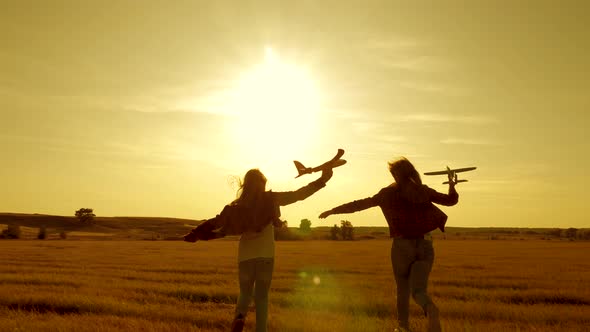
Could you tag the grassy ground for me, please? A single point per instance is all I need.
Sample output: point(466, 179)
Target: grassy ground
point(479, 285)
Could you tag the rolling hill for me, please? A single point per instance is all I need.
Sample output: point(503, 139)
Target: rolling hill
point(101, 227)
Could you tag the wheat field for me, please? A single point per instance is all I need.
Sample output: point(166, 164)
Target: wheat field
point(479, 285)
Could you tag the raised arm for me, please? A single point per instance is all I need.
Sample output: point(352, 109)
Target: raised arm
point(354, 206)
point(290, 197)
point(449, 199)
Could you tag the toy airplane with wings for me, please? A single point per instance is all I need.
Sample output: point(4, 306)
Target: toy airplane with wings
point(452, 173)
point(334, 162)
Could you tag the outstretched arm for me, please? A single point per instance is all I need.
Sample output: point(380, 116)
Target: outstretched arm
point(354, 206)
point(206, 230)
point(289, 197)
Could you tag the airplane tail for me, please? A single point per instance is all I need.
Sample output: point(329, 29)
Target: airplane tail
point(446, 182)
point(300, 168)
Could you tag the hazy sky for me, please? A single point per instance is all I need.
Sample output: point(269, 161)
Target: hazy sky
point(146, 108)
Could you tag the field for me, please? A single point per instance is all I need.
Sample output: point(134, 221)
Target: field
point(479, 285)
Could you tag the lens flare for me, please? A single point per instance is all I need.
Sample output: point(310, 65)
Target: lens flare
point(316, 280)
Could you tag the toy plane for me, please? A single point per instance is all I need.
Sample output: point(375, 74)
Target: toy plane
point(334, 162)
point(452, 173)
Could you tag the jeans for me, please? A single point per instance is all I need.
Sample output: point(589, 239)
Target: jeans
point(255, 276)
point(412, 261)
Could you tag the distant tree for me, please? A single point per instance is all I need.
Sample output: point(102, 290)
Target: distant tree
point(334, 232)
point(12, 232)
point(570, 233)
point(85, 215)
point(283, 233)
point(555, 232)
point(346, 230)
point(584, 234)
point(42, 233)
point(305, 225)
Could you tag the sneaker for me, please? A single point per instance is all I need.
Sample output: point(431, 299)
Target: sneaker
point(238, 324)
point(433, 319)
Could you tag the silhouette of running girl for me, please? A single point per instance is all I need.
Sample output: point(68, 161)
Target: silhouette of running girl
point(410, 214)
point(253, 215)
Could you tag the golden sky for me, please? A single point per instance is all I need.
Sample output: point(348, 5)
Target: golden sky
point(146, 108)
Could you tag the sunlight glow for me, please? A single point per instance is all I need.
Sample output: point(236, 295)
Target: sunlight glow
point(275, 104)
point(316, 280)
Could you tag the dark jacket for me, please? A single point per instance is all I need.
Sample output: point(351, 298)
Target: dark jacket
point(235, 219)
point(409, 210)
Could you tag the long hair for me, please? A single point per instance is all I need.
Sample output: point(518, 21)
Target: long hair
point(251, 202)
point(404, 172)
point(251, 188)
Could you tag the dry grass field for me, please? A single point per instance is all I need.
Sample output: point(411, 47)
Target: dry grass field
point(480, 285)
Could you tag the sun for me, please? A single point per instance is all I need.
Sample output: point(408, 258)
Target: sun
point(275, 104)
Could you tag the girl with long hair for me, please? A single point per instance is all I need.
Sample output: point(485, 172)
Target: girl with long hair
point(252, 215)
point(410, 214)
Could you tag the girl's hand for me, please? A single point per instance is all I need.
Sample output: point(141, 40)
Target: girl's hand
point(325, 214)
point(327, 174)
point(191, 237)
point(452, 179)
